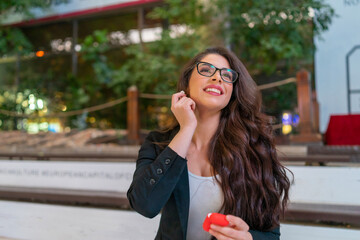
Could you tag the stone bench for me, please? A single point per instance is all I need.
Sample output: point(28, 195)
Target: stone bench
point(310, 155)
point(319, 194)
point(321, 155)
point(325, 213)
point(296, 212)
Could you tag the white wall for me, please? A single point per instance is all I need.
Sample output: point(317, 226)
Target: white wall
point(325, 185)
point(330, 65)
point(96, 176)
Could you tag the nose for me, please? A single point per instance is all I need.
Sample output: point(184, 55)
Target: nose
point(217, 76)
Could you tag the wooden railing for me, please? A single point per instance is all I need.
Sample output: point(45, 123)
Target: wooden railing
point(307, 104)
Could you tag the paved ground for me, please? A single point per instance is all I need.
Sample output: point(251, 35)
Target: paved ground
point(32, 221)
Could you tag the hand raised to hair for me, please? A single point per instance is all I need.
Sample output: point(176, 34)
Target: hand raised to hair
point(236, 230)
point(183, 108)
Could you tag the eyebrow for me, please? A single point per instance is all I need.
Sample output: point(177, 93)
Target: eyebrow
point(215, 66)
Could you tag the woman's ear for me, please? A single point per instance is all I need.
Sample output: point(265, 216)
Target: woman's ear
point(187, 92)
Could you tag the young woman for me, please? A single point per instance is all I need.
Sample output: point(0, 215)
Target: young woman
point(220, 157)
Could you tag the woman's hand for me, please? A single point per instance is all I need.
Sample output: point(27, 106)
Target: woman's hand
point(183, 109)
point(236, 230)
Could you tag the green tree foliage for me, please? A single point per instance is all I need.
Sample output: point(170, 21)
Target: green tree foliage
point(273, 34)
point(19, 102)
point(155, 67)
point(271, 37)
point(12, 40)
point(23, 6)
point(94, 48)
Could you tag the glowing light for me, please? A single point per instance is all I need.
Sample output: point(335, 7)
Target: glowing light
point(54, 127)
point(40, 104)
point(286, 119)
point(63, 108)
point(296, 120)
point(311, 12)
point(43, 126)
point(286, 129)
point(33, 128)
point(92, 120)
point(19, 98)
point(40, 53)
point(164, 109)
point(32, 106)
point(251, 25)
point(25, 103)
point(31, 98)
point(78, 48)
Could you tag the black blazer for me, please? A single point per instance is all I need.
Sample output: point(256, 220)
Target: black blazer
point(161, 183)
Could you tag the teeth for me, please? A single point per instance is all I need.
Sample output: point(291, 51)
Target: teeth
point(213, 90)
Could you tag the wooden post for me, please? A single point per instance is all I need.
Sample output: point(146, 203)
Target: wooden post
point(306, 111)
point(133, 118)
point(316, 112)
point(303, 85)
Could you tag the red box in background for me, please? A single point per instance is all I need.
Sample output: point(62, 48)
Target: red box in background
point(343, 130)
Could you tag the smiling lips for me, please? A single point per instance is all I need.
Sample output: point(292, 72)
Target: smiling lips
point(214, 90)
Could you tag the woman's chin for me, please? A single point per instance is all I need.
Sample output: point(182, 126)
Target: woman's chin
point(211, 107)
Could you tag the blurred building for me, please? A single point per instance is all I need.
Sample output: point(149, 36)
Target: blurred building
point(57, 35)
point(56, 32)
point(337, 62)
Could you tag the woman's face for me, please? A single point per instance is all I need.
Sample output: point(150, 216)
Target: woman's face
point(211, 93)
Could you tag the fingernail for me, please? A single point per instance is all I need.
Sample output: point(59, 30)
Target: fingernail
point(182, 91)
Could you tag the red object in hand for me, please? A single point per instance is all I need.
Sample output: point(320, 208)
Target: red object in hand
point(215, 218)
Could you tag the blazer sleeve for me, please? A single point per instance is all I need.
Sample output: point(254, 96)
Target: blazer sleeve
point(274, 234)
point(156, 175)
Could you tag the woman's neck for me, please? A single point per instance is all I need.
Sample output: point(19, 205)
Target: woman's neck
point(207, 124)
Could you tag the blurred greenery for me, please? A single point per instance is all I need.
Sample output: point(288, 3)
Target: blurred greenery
point(273, 34)
point(274, 39)
point(279, 99)
point(12, 39)
point(21, 102)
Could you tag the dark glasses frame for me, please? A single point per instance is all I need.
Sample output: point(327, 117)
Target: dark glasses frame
point(235, 74)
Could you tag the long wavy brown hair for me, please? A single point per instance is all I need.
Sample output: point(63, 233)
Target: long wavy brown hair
point(243, 153)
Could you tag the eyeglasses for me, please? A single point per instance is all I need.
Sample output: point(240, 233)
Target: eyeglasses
point(208, 70)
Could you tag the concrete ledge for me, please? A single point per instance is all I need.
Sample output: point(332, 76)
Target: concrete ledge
point(290, 150)
point(297, 212)
point(328, 213)
point(321, 159)
point(66, 196)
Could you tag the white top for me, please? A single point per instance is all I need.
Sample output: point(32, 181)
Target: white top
point(206, 197)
